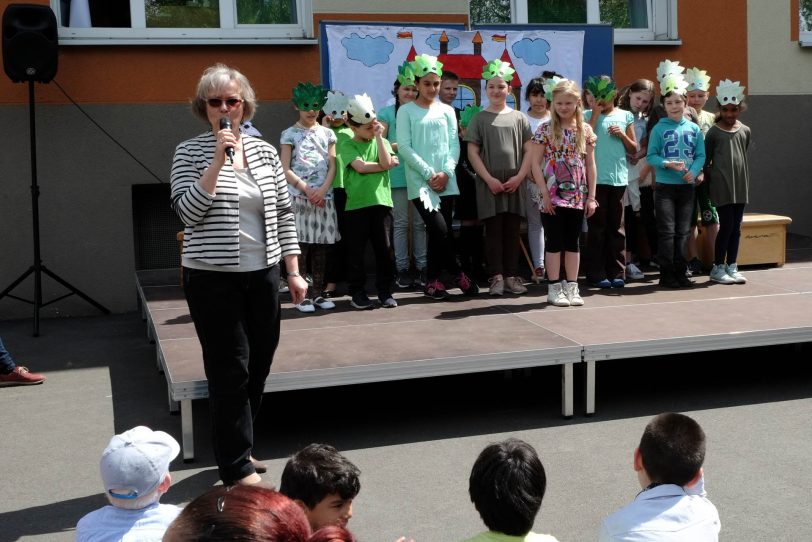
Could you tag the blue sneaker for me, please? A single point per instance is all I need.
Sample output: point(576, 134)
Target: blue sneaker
point(603, 283)
point(618, 283)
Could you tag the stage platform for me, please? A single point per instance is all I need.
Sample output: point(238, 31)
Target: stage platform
point(425, 338)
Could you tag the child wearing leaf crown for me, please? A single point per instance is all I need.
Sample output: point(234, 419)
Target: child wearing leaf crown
point(499, 149)
point(638, 98)
point(605, 255)
point(676, 150)
point(704, 208)
point(428, 144)
point(367, 159)
point(563, 167)
point(308, 152)
point(727, 173)
point(406, 218)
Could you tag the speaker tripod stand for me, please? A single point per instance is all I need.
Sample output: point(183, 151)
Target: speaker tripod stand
point(38, 268)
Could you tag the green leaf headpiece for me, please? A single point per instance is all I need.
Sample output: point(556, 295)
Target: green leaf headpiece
point(602, 89)
point(498, 68)
point(549, 86)
point(468, 113)
point(426, 64)
point(406, 74)
point(309, 97)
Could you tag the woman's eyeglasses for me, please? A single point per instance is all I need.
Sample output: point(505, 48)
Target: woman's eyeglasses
point(217, 102)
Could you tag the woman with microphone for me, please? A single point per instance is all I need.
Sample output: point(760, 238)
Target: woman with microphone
point(238, 226)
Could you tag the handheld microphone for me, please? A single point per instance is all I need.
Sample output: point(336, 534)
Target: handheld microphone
point(225, 124)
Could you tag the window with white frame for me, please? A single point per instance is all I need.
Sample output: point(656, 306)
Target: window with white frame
point(805, 21)
point(89, 22)
point(634, 21)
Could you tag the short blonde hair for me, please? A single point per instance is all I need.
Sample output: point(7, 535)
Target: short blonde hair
point(215, 78)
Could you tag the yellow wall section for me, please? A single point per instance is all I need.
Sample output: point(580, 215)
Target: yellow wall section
point(778, 66)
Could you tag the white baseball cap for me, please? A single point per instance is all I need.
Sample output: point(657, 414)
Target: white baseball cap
point(135, 462)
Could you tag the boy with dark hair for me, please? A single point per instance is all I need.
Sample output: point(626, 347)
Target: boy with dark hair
point(449, 86)
point(672, 505)
point(507, 485)
point(323, 482)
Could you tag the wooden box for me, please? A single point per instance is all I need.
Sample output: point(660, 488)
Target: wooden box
point(763, 240)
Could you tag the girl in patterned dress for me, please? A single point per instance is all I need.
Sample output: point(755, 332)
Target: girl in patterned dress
point(308, 156)
point(563, 167)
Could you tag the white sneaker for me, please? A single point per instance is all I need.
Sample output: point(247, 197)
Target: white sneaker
point(719, 274)
point(514, 285)
point(633, 272)
point(306, 306)
point(556, 295)
point(733, 271)
point(497, 286)
point(283, 286)
point(573, 295)
point(325, 304)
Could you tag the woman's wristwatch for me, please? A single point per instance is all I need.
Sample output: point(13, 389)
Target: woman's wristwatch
point(294, 274)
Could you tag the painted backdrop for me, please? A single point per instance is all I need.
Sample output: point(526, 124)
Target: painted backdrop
point(366, 58)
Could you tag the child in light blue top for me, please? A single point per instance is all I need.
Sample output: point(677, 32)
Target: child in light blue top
point(605, 255)
point(429, 146)
point(405, 218)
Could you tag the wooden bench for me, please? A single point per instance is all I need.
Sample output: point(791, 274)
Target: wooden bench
point(763, 241)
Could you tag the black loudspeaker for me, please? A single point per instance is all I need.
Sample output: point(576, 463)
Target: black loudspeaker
point(30, 41)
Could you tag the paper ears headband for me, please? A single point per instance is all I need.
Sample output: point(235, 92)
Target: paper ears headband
point(498, 68)
point(603, 90)
point(309, 97)
point(336, 104)
point(406, 74)
point(729, 92)
point(360, 109)
point(468, 113)
point(426, 64)
point(549, 85)
point(697, 79)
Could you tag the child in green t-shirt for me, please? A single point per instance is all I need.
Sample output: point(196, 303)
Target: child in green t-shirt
point(366, 160)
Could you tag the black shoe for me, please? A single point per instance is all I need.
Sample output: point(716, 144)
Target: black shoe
point(695, 267)
point(670, 281)
point(361, 301)
point(684, 282)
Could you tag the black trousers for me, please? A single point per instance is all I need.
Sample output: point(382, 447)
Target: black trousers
point(370, 225)
point(237, 319)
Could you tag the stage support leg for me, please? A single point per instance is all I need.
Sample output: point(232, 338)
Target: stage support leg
point(590, 388)
point(566, 390)
point(187, 429)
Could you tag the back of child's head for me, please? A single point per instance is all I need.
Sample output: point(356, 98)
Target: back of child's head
point(639, 85)
point(316, 471)
point(672, 449)
point(507, 485)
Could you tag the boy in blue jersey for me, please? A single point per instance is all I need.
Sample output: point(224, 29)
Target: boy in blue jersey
point(676, 148)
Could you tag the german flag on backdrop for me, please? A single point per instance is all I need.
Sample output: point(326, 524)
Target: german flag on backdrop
point(404, 35)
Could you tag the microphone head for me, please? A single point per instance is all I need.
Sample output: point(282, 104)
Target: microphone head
point(225, 123)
